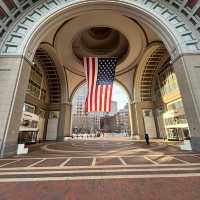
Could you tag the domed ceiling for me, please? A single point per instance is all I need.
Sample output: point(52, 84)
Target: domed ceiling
point(101, 34)
point(100, 42)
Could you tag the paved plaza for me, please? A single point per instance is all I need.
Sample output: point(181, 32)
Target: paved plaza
point(103, 170)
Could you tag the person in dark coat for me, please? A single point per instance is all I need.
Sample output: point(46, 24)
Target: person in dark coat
point(146, 136)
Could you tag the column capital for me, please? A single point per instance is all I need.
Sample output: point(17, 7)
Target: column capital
point(180, 56)
point(134, 102)
point(68, 103)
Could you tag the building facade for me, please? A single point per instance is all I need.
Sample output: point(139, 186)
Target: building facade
point(113, 108)
point(118, 122)
point(42, 44)
point(83, 122)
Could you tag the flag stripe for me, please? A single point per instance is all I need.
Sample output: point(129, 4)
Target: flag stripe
point(100, 99)
point(105, 99)
point(110, 100)
point(92, 69)
point(102, 96)
point(99, 76)
point(86, 67)
point(96, 97)
point(95, 86)
point(89, 82)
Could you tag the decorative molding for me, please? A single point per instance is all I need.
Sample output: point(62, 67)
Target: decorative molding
point(155, 53)
point(172, 61)
point(15, 36)
point(76, 88)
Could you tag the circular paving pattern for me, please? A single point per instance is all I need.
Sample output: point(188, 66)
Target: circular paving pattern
point(93, 146)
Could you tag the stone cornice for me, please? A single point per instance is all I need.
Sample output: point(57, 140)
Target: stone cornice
point(15, 40)
point(182, 55)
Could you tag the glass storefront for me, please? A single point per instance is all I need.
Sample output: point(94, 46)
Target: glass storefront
point(171, 120)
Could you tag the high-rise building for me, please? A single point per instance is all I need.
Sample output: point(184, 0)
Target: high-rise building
point(113, 110)
point(82, 121)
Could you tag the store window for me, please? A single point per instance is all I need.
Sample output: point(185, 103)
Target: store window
point(29, 108)
point(175, 105)
point(167, 81)
point(54, 114)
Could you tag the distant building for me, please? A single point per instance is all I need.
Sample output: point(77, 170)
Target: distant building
point(114, 109)
point(82, 121)
point(108, 123)
point(122, 119)
point(119, 122)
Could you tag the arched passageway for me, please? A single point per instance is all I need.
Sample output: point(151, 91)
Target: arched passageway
point(60, 34)
point(91, 125)
point(159, 108)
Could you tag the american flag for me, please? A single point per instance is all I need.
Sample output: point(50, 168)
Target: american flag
point(100, 73)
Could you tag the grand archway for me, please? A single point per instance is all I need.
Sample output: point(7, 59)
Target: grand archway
point(90, 125)
point(69, 30)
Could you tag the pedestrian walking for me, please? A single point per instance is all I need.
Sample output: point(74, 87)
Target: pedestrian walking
point(146, 136)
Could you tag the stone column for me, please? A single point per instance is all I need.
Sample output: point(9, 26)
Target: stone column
point(132, 118)
point(14, 76)
point(139, 119)
point(187, 69)
point(64, 127)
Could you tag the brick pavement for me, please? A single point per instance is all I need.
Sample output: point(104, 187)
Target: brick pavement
point(121, 189)
point(102, 170)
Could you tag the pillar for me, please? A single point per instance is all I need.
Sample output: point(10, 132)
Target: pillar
point(132, 117)
point(139, 119)
point(14, 77)
point(64, 127)
point(187, 69)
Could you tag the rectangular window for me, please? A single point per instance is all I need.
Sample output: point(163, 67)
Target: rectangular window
point(197, 13)
point(3, 14)
point(191, 3)
point(10, 4)
point(29, 108)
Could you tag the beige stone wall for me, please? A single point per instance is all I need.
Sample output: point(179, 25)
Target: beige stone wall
point(64, 127)
point(14, 75)
point(187, 69)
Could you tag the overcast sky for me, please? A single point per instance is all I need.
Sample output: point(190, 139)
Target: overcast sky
point(119, 95)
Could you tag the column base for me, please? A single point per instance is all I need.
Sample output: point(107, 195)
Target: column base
point(9, 150)
point(68, 138)
point(135, 137)
point(195, 143)
point(60, 139)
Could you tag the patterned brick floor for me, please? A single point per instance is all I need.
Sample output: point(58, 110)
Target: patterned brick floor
point(101, 170)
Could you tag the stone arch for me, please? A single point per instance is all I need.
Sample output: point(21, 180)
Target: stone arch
point(22, 38)
point(54, 89)
point(120, 85)
point(78, 86)
point(58, 73)
point(187, 8)
point(154, 56)
point(173, 29)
